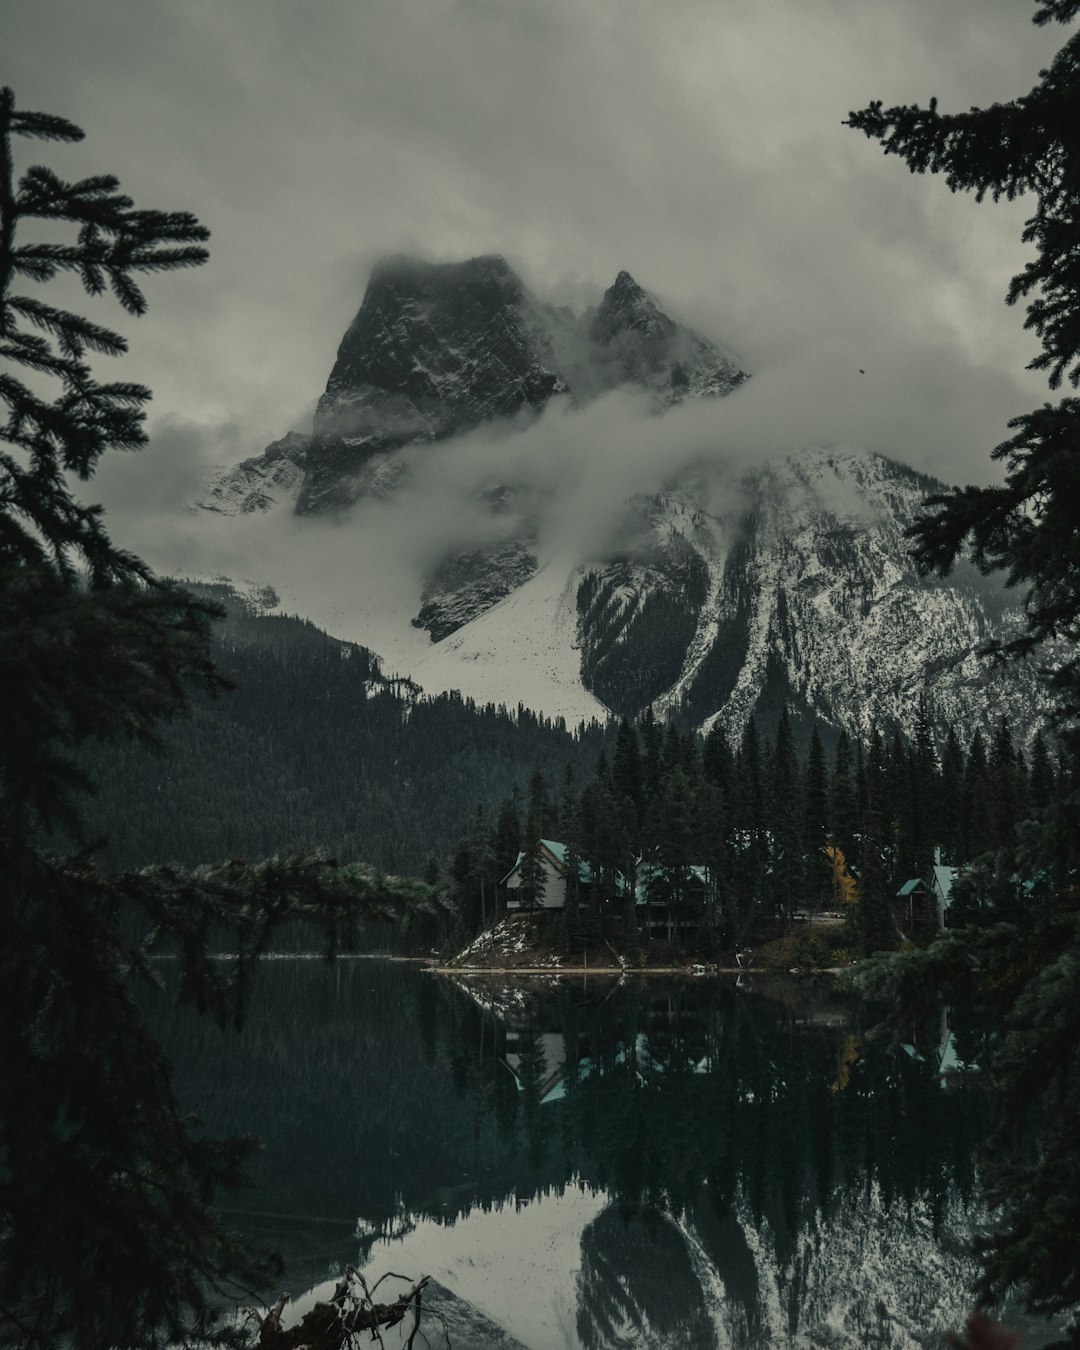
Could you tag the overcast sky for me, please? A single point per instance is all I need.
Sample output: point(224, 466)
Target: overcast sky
point(697, 143)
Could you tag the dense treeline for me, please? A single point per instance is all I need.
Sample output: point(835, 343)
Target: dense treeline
point(763, 830)
point(316, 748)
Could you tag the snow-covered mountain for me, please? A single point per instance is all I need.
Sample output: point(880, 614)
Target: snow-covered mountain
point(719, 592)
point(258, 483)
point(804, 595)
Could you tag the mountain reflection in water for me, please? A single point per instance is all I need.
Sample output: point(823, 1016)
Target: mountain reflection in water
point(602, 1163)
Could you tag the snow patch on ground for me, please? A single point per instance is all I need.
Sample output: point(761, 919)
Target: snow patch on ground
point(505, 943)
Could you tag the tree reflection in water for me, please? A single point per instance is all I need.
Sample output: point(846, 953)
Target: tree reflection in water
point(762, 1170)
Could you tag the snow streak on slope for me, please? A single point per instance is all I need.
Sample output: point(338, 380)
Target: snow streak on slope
point(816, 602)
point(524, 649)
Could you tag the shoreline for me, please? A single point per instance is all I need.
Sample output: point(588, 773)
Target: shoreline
point(695, 972)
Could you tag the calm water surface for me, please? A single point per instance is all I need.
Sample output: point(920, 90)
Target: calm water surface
point(601, 1164)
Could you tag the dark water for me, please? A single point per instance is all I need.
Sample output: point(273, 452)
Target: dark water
point(590, 1163)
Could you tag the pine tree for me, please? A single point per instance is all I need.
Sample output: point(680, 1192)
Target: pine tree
point(1005, 789)
point(717, 852)
point(749, 813)
point(788, 871)
point(675, 844)
point(861, 788)
point(651, 756)
point(977, 821)
point(718, 763)
point(893, 797)
point(843, 811)
point(508, 839)
point(925, 786)
point(541, 806)
point(1042, 780)
point(481, 860)
point(876, 925)
point(950, 813)
point(108, 1235)
point(1026, 526)
point(567, 802)
point(627, 771)
point(873, 914)
point(532, 873)
point(817, 883)
point(569, 925)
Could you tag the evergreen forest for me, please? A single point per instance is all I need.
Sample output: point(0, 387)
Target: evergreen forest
point(315, 747)
point(763, 834)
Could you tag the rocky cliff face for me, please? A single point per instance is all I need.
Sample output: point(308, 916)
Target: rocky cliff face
point(437, 349)
point(803, 595)
point(633, 341)
point(257, 484)
point(468, 584)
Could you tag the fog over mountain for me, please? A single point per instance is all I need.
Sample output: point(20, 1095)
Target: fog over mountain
point(699, 150)
point(700, 147)
point(593, 512)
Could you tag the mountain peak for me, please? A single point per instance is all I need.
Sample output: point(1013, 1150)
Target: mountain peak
point(438, 348)
point(626, 286)
point(627, 305)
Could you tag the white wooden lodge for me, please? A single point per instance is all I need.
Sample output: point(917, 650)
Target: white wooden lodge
point(553, 856)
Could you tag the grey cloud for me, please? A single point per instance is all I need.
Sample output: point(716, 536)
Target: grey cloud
point(699, 145)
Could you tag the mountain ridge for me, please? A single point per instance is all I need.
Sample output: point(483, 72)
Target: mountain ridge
point(719, 593)
point(437, 349)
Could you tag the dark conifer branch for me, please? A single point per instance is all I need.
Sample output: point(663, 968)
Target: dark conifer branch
point(1026, 968)
point(94, 648)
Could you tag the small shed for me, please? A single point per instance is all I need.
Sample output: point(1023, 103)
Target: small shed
point(916, 909)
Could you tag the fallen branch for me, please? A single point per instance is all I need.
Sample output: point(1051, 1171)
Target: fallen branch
point(333, 1325)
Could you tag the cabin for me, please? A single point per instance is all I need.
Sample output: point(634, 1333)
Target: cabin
point(666, 902)
point(553, 856)
point(916, 910)
point(663, 902)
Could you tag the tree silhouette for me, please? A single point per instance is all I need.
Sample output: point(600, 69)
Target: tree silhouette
point(107, 1232)
point(1027, 971)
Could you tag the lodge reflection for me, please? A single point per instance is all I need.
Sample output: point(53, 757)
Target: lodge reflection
point(658, 1089)
point(771, 1173)
point(744, 1137)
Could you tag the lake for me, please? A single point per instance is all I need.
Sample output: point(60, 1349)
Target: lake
point(587, 1162)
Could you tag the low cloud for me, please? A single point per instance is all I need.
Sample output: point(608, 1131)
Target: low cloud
point(570, 475)
point(699, 146)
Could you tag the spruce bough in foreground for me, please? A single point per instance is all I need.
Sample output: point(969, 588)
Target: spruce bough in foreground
point(1026, 972)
